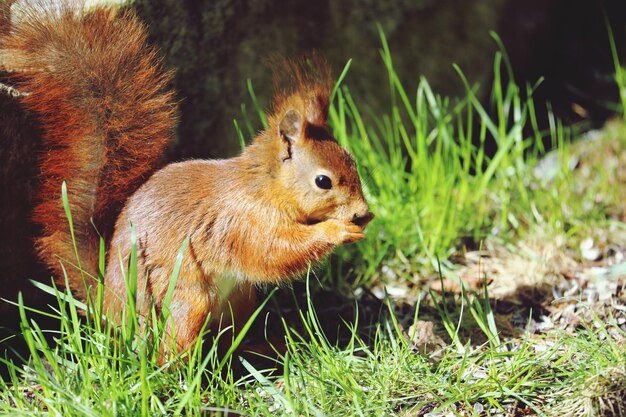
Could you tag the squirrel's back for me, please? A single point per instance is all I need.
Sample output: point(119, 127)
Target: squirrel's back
point(101, 93)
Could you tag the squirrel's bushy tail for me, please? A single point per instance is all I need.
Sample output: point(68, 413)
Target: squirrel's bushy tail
point(102, 97)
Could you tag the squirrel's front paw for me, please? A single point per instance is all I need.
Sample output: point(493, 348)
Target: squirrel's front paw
point(341, 232)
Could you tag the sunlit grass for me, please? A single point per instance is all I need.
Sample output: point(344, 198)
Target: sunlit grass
point(432, 184)
point(107, 371)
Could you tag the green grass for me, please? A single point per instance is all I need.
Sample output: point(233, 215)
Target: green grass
point(389, 378)
point(101, 373)
point(431, 183)
point(620, 71)
point(433, 188)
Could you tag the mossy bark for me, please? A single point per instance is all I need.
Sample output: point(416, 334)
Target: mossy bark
point(215, 46)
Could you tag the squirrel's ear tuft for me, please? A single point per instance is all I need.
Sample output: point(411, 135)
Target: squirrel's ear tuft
point(290, 131)
point(303, 83)
point(317, 108)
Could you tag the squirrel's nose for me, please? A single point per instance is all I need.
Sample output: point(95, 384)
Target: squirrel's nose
point(363, 220)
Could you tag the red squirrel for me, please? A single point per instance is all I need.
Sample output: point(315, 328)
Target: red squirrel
point(108, 113)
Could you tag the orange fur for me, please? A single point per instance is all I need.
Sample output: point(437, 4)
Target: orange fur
point(260, 217)
point(100, 92)
point(5, 15)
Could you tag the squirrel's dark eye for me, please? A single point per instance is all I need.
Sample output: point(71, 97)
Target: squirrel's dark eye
point(324, 182)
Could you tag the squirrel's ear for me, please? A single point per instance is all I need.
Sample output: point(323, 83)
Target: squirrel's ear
point(290, 131)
